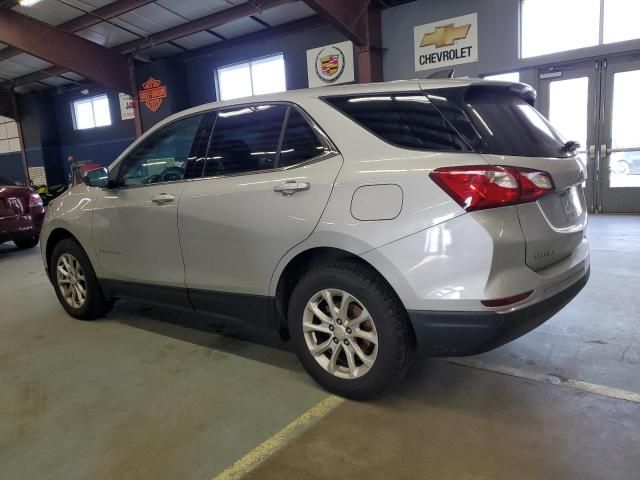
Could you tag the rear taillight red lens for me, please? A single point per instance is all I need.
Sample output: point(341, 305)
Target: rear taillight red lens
point(482, 186)
point(35, 200)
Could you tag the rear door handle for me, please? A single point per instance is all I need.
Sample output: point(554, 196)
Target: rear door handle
point(162, 198)
point(291, 186)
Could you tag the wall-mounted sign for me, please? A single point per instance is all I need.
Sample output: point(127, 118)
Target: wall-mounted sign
point(448, 42)
point(152, 94)
point(127, 112)
point(330, 65)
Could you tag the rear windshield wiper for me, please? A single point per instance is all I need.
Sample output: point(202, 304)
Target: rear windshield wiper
point(571, 146)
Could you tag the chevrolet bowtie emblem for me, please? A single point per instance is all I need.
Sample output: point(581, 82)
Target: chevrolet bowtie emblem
point(445, 35)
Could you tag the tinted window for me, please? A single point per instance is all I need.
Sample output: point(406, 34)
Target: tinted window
point(6, 182)
point(496, 120)
point(300, 142)
point(245, 139)
point(163, 156)
point(407, 120)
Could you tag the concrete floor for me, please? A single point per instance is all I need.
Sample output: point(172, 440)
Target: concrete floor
point(152, 393)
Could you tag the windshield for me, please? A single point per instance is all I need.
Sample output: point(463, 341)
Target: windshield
point(6, 182)
point(496, 120)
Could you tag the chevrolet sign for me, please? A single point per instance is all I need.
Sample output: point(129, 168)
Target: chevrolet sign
point(449, 42)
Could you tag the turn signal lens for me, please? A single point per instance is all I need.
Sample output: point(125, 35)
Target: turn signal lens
point(480, 187)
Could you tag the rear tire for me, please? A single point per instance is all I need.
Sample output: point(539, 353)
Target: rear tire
point(24, 243)
point(75, 282)
point(353, 358)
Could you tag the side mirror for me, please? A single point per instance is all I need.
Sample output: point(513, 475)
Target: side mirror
point(97, 178)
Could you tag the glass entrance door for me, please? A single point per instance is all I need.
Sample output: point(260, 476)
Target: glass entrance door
point(567, 97)
point(620, 137)
point(597, 104)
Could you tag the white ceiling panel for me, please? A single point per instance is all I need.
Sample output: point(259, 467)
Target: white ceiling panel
point(194, 9)
point(53, 13)
point(56, 81)
point(286, 13)
point(160, 51)
point(197, 40)
point(238, 27)
point(88, 4)
point(150, 19)
point(30, 61)
point(21, 64)
point(73, 76)
point(106, 34)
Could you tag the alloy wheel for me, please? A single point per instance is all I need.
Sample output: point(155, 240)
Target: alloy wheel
point(340, 333)
point(71, 280)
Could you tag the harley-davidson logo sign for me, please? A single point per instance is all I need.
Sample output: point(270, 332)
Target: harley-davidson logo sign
point(152, 93)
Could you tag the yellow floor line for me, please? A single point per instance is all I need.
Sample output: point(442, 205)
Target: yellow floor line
point(551, 379)
point(267, 448)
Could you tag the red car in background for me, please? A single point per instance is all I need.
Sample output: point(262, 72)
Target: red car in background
point(21, 214)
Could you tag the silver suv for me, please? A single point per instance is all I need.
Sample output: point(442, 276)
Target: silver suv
point(361, 222)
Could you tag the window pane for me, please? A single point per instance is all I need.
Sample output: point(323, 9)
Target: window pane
point(496, 121)
point(550, 26)
point(407, 120)
point(621, 20)
point(268, 75)
point(568, 100)
point(505, 77)
point(625, 166)
point(245, 139)
point(84, 114)
point(163, 156)
point(300, 142)
point(234, 81)
point(101, 111)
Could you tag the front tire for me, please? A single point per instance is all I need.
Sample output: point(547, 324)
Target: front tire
point(350, 331)
point(75, 282)
point(24, 243)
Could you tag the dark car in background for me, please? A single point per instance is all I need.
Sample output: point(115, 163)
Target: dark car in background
point(21, 214)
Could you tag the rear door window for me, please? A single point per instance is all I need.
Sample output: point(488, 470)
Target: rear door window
point(245, 139)
point(300, 142)
point(496, 120)
point(406, 120)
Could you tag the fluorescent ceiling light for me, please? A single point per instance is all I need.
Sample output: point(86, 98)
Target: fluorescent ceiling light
point(28, 3)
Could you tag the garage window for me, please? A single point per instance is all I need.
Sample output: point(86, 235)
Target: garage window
point(264, 75)
point(552, 26)
point(91, 112)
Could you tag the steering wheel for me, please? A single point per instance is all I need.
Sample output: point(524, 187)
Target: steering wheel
point(172, 174)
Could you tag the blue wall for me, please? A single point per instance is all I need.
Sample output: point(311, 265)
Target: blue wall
point(101, 144)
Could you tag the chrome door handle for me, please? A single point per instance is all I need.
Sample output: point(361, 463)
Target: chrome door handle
point(162, 198)
point(291, 186)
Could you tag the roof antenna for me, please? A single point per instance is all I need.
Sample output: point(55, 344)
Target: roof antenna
point(442, 74)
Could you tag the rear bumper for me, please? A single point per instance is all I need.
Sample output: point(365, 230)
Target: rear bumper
point(16, 228)
point(452, 333)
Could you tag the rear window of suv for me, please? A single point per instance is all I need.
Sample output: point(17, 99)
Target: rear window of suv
point(497, 120)
point(406, 120)
point(482, 118)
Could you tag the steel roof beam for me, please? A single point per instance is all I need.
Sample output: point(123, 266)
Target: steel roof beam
point(65, 50)
point(88, 20)
point(348, 17)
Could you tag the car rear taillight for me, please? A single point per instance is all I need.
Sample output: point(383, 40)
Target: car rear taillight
point(35, 200)
point(479, 187)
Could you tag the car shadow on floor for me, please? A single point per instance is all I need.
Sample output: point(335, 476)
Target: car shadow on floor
point(208, 331)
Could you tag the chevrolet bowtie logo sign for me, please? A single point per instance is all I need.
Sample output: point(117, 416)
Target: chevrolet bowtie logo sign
point(445, 36)
point(451, 41)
